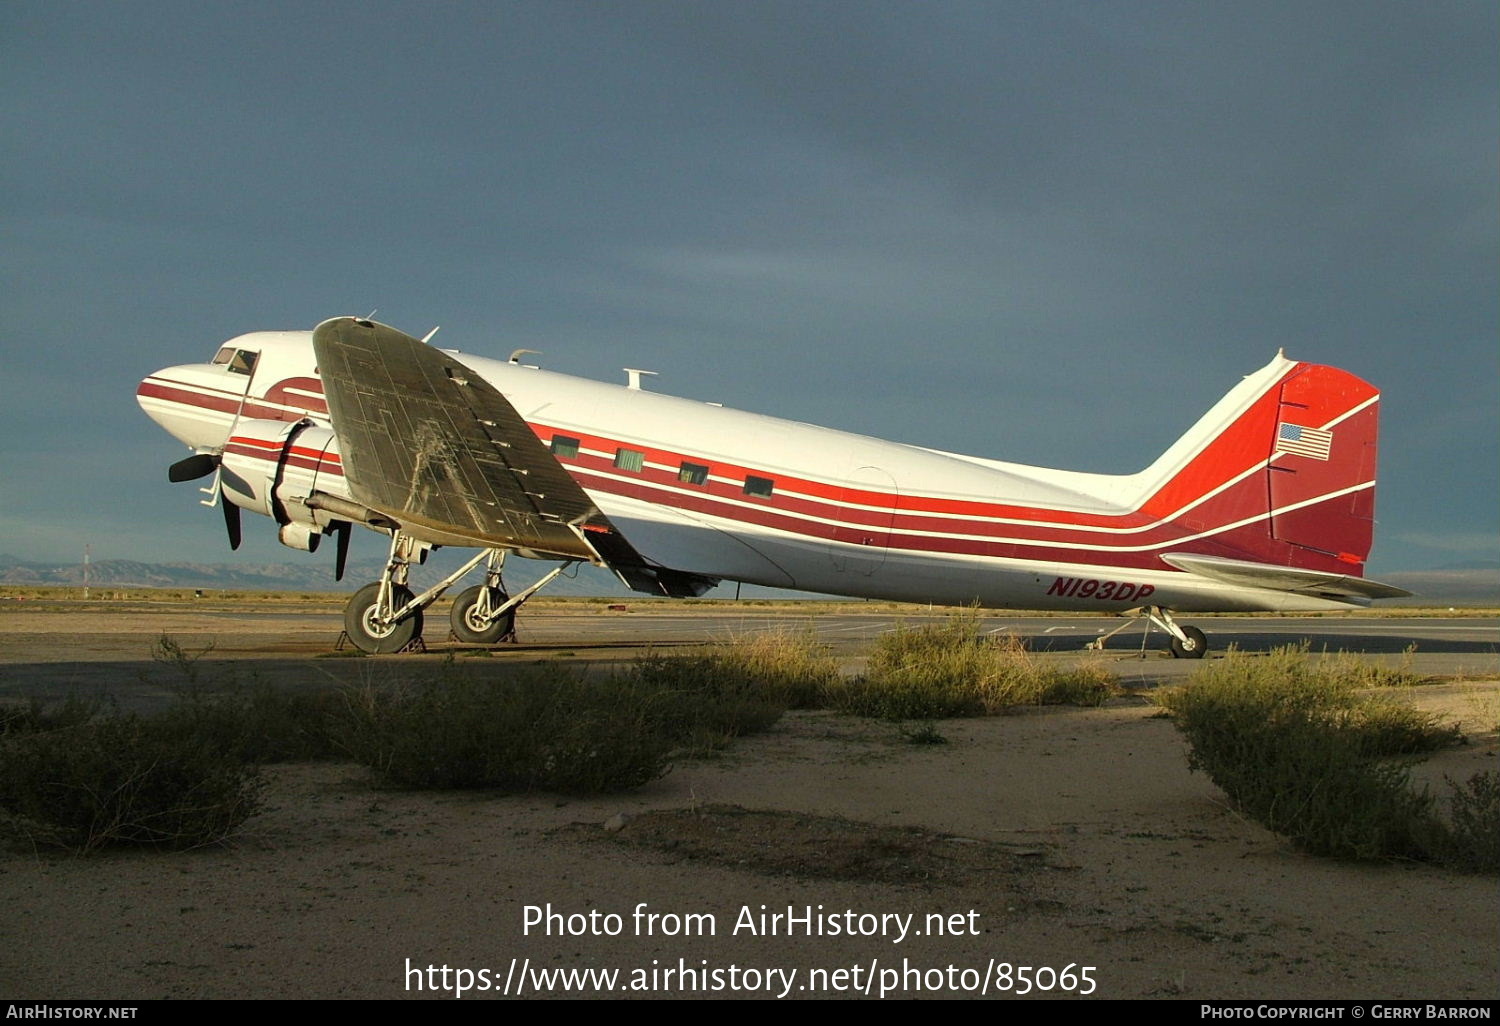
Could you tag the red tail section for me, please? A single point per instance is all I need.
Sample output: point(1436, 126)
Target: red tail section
point(1320, 448)
point(1322, 471)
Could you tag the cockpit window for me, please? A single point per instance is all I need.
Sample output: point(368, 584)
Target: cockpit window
point(239, 361)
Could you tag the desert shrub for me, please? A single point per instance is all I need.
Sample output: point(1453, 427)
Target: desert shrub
point(924, 734)
point(263, 724)
point(35, 714)
point(1471, 839)
point(255, 722)
point(950, 669)
point(1321, 787)
point(1088, 683)
point(554, 730)
point(168, 652)
point(701, 703)
point(1230, 695)
point(1305, 753)
point(704, 701)
point(1388, 725)
point(548, 730)
point(743, 686)
point(124, 779)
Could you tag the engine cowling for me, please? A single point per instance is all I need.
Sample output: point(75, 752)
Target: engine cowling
point(299, 536)
point(270, 468)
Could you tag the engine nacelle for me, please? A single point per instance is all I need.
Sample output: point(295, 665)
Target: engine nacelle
point(271, 468)
point(299, 536)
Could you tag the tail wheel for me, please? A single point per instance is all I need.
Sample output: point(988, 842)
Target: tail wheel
point(1193, 648)
point(377, 638)
point(473, 629)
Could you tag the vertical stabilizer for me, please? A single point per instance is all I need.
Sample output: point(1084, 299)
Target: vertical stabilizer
point(1321, 475)
point(1279, 472)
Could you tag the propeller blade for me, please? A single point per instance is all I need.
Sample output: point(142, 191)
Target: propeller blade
point(341, 552)
point(193, 467)
point(231, 521)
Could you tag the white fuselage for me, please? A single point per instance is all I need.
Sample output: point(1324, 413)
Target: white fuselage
point(723, 493)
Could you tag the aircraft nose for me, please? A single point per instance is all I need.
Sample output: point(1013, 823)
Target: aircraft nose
point(158, 389)
point(151, 389)
point(190, 412)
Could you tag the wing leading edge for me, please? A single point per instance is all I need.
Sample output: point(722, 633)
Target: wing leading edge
point(428, 442)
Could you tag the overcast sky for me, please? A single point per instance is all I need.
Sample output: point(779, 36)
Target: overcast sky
point(1053, 233)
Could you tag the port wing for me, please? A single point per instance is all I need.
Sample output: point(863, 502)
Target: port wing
point(431, 444)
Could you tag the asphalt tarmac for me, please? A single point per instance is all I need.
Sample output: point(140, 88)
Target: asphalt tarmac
point(98, 649)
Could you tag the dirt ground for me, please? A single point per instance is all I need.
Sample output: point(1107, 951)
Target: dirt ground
point(831, 856)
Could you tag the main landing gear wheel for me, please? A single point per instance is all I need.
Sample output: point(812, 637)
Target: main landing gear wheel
point(1193, 648)
point(473, 629)
point(377, 638)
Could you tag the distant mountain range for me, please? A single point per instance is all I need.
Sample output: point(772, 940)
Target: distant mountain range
point(1473, 583)
point(317, 575)
point(309, 576)
point(1465, 584)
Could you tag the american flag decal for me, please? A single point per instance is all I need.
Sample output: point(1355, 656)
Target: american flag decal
point(1304, 441)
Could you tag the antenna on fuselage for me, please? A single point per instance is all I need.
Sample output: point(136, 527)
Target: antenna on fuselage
point(515, 357)
point(428, 337)
point(633, 380)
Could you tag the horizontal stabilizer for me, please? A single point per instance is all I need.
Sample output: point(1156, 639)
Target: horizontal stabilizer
point(1281, 578)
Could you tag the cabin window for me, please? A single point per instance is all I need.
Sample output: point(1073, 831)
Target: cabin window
point(761, 487)
point(565, 448)
point(630, 459)
point(693, 474)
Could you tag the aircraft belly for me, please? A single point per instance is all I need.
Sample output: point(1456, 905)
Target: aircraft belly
point(757, 555)
point(705, 545)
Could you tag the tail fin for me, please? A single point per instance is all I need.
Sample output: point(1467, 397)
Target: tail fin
point(1280, 472)
point(1321, 475)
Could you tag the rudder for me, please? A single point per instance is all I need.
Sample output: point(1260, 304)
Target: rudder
point(1321, 475)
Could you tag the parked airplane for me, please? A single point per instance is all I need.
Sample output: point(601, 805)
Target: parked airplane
point(1267, 503)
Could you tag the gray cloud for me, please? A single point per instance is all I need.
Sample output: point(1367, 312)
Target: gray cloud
point(1045, 232)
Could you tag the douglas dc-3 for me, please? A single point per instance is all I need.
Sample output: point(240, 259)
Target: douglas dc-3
point(1267, 503)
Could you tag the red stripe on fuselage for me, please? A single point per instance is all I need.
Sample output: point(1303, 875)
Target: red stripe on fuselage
point(217, 401)
point(1243, 499)
point(1238, 449)
point(271, 451)
point(1247, 541)
point(1156, 525)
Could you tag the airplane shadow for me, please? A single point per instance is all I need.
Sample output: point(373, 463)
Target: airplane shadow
point(1264, 641)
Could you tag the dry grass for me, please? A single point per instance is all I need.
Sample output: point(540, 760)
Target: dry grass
point(793, 664)
point(1350, 670)
point(936, 671)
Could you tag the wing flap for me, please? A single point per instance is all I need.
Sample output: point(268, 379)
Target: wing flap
point(1282, 578)
point(430, 443)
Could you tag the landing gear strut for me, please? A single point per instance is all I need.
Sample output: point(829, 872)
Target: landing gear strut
point(476, 618)
point(386, 617)
point(1192, 644)
point(1184, 642)
point(373, 632)
point(382, 617)
point(484, 615)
